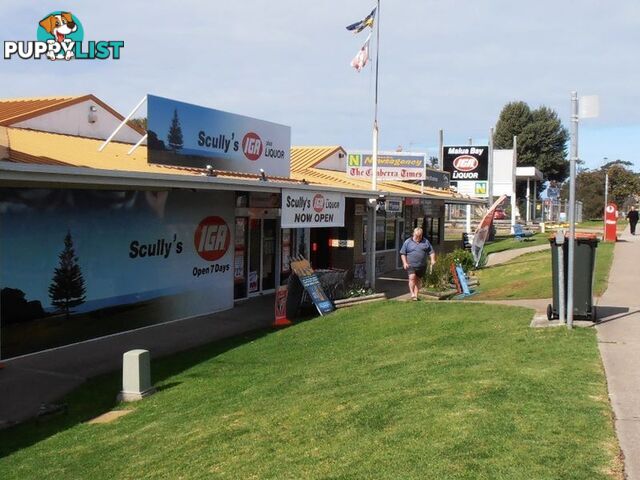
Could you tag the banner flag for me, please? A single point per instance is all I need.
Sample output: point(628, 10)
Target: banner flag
point(480, 237)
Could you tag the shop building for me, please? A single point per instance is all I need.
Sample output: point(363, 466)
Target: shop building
point(97, 242)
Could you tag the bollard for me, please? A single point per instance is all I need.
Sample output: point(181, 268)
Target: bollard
point(542, 227)
point(136, 376)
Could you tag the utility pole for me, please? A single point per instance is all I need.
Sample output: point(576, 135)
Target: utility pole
point(573, 158)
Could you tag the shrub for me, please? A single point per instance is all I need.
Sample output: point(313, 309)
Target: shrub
point(440, 277)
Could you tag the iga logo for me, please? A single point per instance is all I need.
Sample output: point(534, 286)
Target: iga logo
point(212, 238)
point(252, 146)
point(465, 163)
point(318, 203)
point(60, 36)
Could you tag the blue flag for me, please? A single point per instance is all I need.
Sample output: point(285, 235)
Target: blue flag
point(364, 23)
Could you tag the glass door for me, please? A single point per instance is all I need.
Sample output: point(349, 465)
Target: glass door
point(255, 247)
point(263, 233)
point(268, 270)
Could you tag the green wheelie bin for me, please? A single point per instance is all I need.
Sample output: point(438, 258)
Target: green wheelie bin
point(584, 265)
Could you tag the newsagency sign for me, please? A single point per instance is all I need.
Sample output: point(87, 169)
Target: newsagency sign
point(307, 208)
point(189, 135)
point(391, 165)
point(466, 162)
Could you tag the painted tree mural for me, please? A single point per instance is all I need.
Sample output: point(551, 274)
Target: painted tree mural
point(174, 137)
point(67, 288)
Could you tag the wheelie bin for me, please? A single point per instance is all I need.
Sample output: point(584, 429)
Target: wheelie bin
point(584, 265)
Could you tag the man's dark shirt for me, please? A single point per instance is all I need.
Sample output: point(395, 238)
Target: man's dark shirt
point(633, 216)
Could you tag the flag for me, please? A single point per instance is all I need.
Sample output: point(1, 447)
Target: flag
point(480, 237)
point(364, 23)
point(362, 57)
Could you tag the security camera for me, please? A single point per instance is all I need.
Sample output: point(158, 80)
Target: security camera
point(210, 171)
point(372, 201)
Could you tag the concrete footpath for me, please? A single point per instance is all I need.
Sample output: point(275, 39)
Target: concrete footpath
point(619, 341)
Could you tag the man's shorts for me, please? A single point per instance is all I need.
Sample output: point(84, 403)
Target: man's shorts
point(419, 271)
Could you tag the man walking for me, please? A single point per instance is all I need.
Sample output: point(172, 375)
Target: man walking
point(414, 254)
point(632, 216)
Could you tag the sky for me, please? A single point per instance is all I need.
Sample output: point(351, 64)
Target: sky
point(448, 65)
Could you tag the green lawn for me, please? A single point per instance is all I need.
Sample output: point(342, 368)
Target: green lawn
point(386, 390)
point(503, 243)
point(529, 276)
point(599, 224)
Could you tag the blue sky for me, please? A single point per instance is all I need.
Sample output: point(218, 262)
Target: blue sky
point(450, 65)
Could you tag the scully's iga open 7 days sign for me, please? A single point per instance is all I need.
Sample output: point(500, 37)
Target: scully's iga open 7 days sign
point(466, 162)
point(309, 208)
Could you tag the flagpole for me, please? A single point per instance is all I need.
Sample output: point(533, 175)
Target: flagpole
point(374, 176)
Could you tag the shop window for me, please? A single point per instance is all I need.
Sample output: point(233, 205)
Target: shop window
point(385, 234)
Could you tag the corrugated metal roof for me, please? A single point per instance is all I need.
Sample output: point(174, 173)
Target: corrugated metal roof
point(35, 147)
point(15, 110)
point(44, 148)
point(306, 157)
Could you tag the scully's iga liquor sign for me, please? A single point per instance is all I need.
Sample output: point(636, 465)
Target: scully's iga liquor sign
point(307, 208)
point(60, 36)
point(466, 162)
point(190, 135)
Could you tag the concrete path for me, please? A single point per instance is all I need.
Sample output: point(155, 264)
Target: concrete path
point(502, 257)
point(619, 342)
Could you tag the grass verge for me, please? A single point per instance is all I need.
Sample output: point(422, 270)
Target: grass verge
point(529, 276)
point(503, 243)
point(391, 390)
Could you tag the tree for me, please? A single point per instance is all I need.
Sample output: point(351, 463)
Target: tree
point(624, 185)
point(67, 288)
point(541, 136)
point(513, 118)
point(174, 138)
point(140, 123)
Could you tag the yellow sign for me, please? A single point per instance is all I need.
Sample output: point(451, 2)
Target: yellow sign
point(481, 188)
point(354, 160)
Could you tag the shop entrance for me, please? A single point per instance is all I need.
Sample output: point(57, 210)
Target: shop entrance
point(262, 255)
point(320, 252)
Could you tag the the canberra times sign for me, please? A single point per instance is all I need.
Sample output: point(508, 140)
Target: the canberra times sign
point(391, 165)
point(193, 136)
point(307, 208)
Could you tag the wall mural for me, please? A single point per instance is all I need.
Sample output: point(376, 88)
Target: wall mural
point(79, 264)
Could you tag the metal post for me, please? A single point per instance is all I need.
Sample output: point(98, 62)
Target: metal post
point(371, 247)
point(490, 170)
point(441, 149)
point(561, 295)
point(513, 183)
point(528, 200)
point(468, 222)
point(606, 194)
point(122, 124)
point(572, 206)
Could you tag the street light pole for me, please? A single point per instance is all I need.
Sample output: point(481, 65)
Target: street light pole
point(573, 158)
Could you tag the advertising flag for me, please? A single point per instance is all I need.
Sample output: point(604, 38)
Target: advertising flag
point(480, 237)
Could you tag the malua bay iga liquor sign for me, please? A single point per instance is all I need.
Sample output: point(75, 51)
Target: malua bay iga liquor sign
point(466, 162)
point(307, 208)
point(189, 135)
